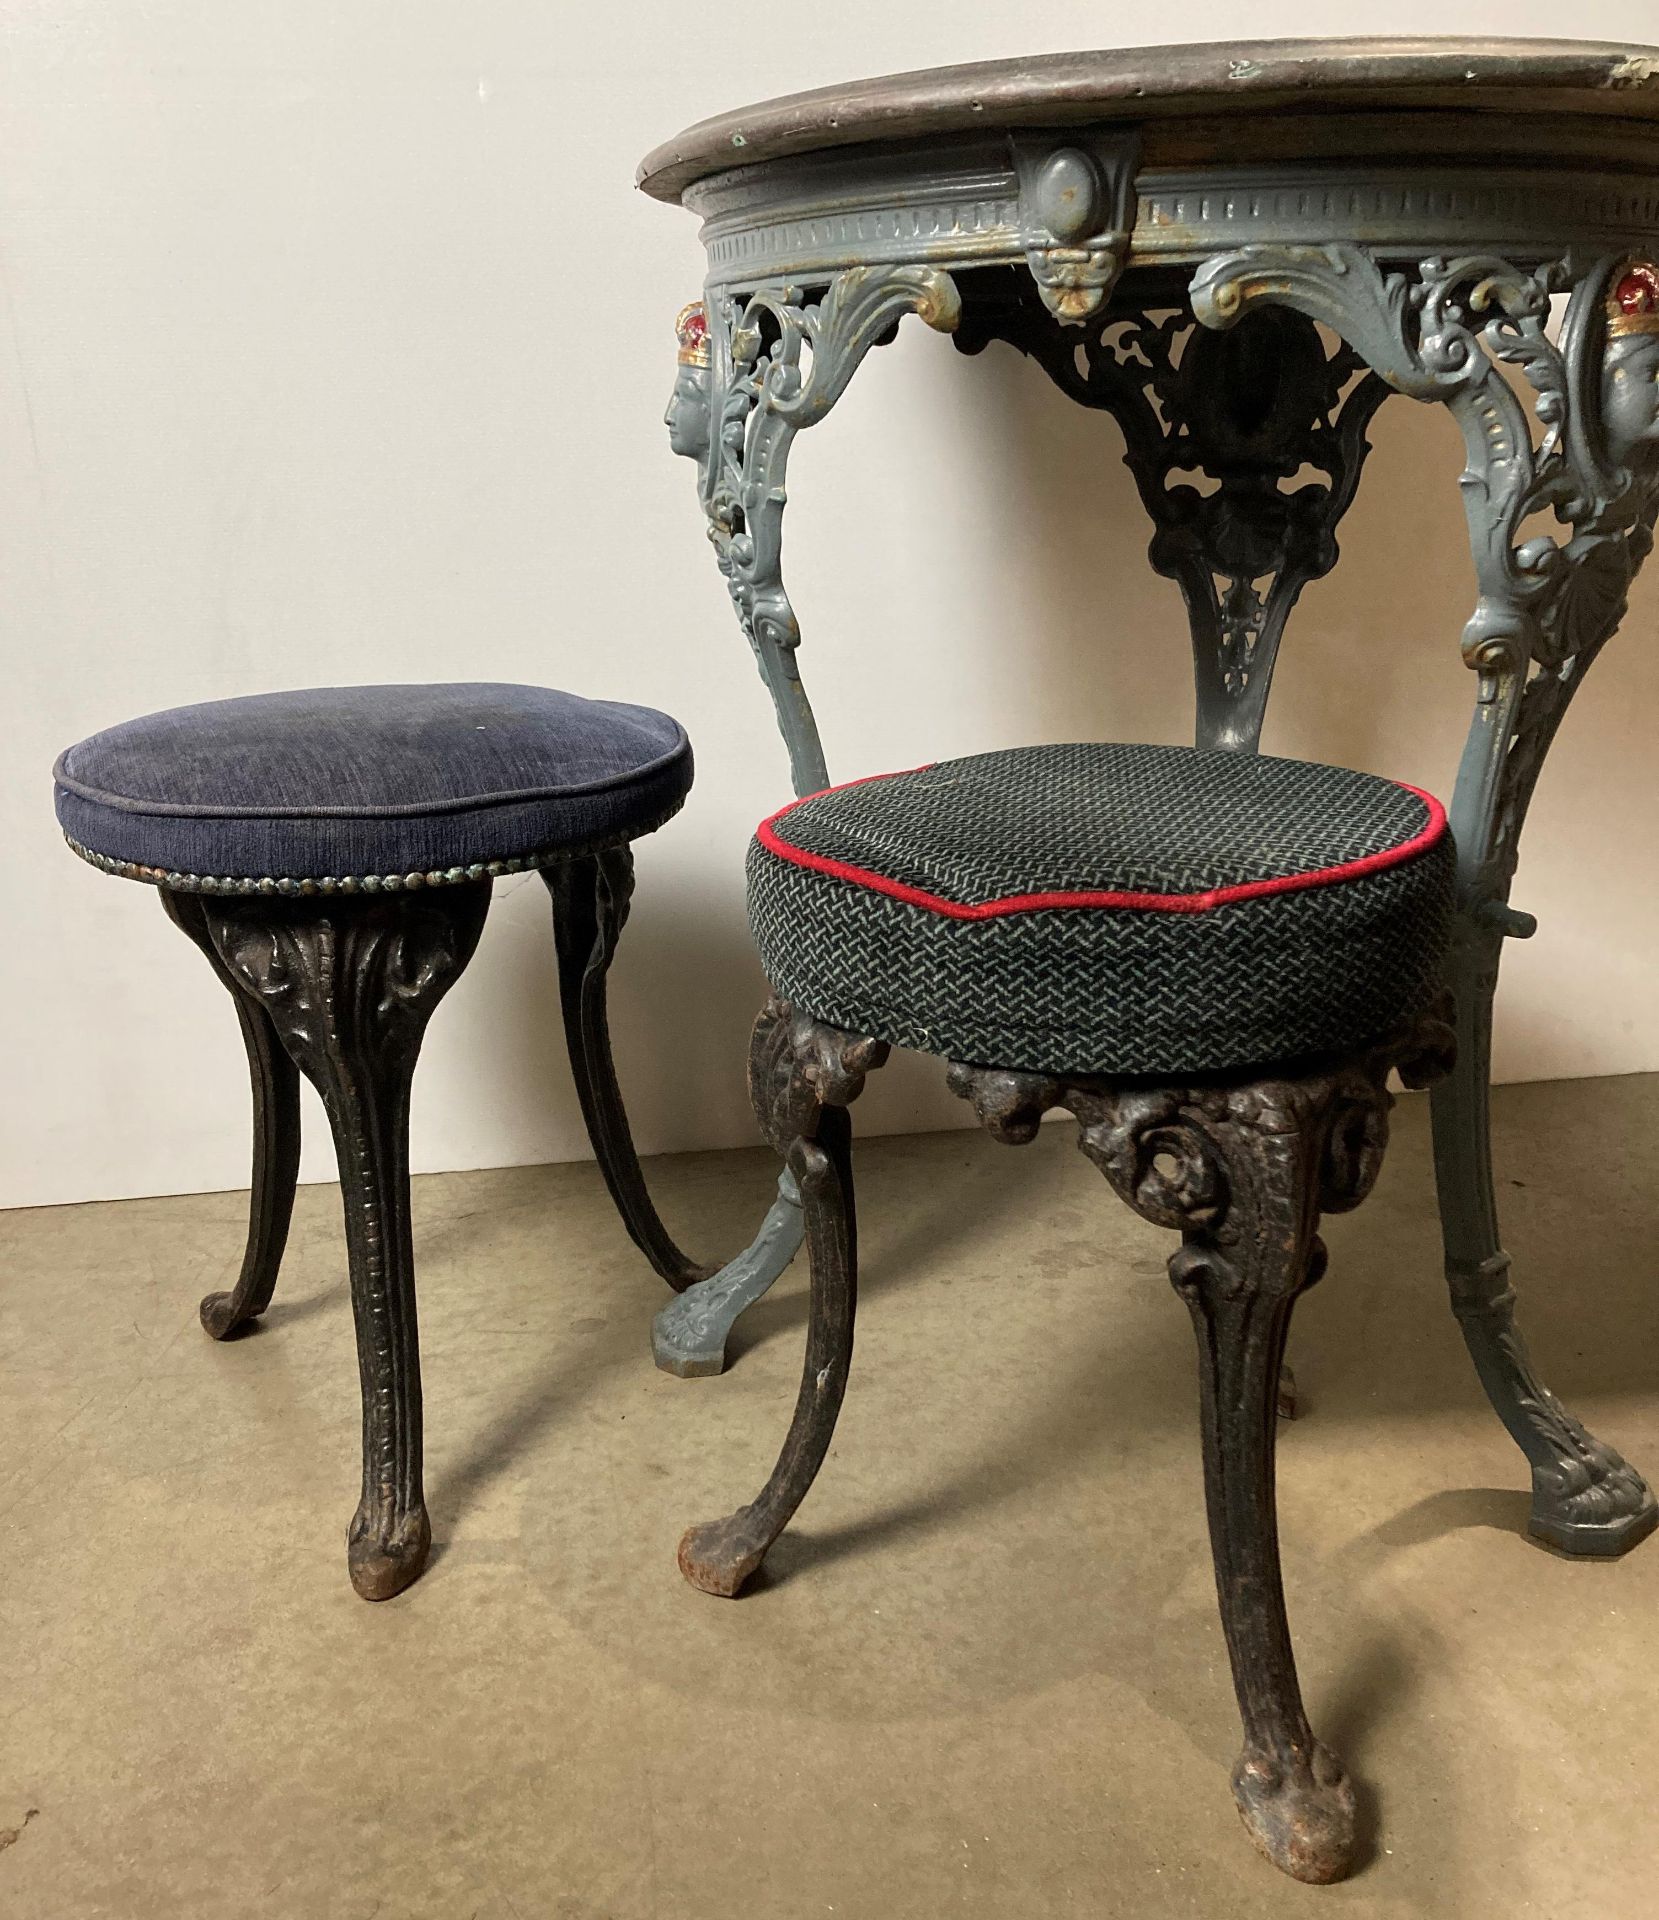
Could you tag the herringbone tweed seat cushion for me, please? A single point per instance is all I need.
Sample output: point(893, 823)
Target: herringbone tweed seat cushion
point(1108, 909)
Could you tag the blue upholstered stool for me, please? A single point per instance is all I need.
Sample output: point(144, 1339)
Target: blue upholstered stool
point(1213, 961)
point(332, 852)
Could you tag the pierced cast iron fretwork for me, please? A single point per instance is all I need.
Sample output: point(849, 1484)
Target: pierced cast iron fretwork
point(1246, 447)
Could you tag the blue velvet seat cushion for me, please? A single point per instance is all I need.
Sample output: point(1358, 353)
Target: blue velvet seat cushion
point(370, 781)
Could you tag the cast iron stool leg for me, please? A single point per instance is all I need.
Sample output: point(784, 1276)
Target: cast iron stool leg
point(349, 985)
point(1243, 1170)
point(1293, 1795)
point(276, 1141)
point(801, 1106)
point(591, 892)
point(721, 1556)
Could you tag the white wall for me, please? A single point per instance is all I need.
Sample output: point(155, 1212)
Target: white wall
point(333, 347)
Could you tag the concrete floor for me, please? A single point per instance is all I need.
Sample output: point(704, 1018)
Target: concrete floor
point(984, 1675)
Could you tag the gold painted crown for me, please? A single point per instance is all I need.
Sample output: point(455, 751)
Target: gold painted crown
point(1633, 305)
point(692, 330)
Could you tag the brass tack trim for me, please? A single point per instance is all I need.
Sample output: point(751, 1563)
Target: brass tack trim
point(289, 887)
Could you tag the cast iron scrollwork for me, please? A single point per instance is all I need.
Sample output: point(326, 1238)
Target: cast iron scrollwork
point(798, 1066)
point(1164, 1149)
point(1573, 440)
point(775, 360)
point(1440, 334)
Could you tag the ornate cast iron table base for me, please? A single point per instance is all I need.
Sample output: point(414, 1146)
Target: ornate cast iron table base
point(1240, 288)
point(340, 989)
point(1242, 1168)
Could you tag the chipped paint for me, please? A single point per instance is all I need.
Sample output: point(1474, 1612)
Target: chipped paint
point(1634, 70)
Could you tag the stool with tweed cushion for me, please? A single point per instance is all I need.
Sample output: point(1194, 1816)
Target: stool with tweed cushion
point(332, 852)
point(1213, 961)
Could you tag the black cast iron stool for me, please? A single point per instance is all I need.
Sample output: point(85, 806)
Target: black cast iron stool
point(332, 852)
point(1213, 961)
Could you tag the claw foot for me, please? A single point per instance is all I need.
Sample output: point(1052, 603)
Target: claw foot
point(1591, 1503)
point(1304, 1825)
point(383, 1561)
point(722, 1555)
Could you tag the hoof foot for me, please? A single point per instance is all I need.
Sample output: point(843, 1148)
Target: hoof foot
point(1304, 1826)
point(1596, 1506)
point(220, 1318)
point(380, 1567)
point(720, 1556)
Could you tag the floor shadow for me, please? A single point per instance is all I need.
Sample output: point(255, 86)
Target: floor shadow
point(798, 1550)
point(1454, 1510)
point(508, 1437)
point(284, 1313)
point(1376, 1684)
point(1073, 1417)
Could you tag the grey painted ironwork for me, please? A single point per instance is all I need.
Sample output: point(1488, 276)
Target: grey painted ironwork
point(1545, 609)
point(961, 209)
point(1427, 243)
point(753, 373)
point(1076, 206)
point(779, 359)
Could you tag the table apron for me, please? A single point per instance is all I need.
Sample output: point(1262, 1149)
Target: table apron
point(796, 221)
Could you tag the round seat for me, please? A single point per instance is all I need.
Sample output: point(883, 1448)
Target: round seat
point(367, 788)
point(1108, 909)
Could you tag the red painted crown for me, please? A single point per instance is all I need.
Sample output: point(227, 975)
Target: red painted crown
point(692, 330)
point(1633, 305)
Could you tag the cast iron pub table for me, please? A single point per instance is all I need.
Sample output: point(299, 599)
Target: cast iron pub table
point(1238, 252)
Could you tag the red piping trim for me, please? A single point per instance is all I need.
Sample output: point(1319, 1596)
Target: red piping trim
point(1395, 856)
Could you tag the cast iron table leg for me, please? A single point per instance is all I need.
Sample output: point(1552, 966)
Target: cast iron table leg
point(755, 369)
point(1574, 446)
